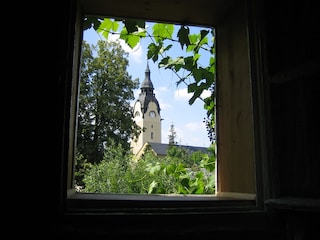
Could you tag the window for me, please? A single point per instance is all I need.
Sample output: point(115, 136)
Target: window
point(152, 114)
point(238, 128)
point(137, 114)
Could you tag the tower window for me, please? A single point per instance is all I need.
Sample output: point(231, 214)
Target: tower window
point(152, 114)
point(137, 114)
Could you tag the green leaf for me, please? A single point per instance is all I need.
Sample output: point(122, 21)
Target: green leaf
point(181, 168)
point(198, 74)
point(211, 181)
point(189, 64)
point(162, 31)
point(133, 25)
point(109, 25)
point(183, 36)
point(90, 22)
point(131, 40)
point(196, 57)
point(168, 47)
point(153, 168)
point(204, 33)
point(190, 48)
point(192, 87)
point(194, 39)
point(153, 51)
point(152, 186)
point(195, 95)
point(200, 188)
point(106, 26)
point(169, 63)
point(185, 182)
point(170, 168)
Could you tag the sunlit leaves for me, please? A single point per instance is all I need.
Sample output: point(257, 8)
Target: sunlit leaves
point(153, 168)
point(197, 41)
point(107, 26)
point(212, 66)
point(162, 31)
point(178, 172)
point(133, 38)
point(131, 32)
point(152, 186)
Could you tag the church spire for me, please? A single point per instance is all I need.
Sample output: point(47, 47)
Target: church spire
point(147, 83)
point(147, 95)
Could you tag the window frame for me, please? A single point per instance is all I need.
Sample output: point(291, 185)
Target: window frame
point(115, 203)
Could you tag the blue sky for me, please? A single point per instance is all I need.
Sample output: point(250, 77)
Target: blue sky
point(187, 119)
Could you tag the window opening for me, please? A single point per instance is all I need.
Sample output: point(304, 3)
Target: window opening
point(113, 154)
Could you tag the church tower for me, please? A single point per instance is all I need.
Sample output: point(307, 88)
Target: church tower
point(146, 112)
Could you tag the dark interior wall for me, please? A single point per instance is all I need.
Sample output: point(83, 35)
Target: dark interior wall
point(65, 31)
point(292, 47)
point(296, 136)
point(293, 67)
point(292, 34)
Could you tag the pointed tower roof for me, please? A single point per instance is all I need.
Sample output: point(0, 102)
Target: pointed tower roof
point(146, 95)
point(147, 84)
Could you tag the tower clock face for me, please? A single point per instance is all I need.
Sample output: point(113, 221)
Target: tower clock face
point(152, 114)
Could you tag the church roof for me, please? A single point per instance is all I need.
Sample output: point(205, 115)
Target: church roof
point(146, 95)
point(161, 148)
point(147, 84)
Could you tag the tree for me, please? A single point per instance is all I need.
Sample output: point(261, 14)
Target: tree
point(106, 90)
point(172, 136)
point(197, 78)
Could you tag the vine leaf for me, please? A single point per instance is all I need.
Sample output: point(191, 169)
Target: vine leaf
point(162, 31)
point(133, 26)
point(183, 36)
point(133, 38)
point(107, 25)
point(91, 22)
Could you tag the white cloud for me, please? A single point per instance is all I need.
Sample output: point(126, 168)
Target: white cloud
point(135, 54)
point(182, 94)
point(205, 94)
